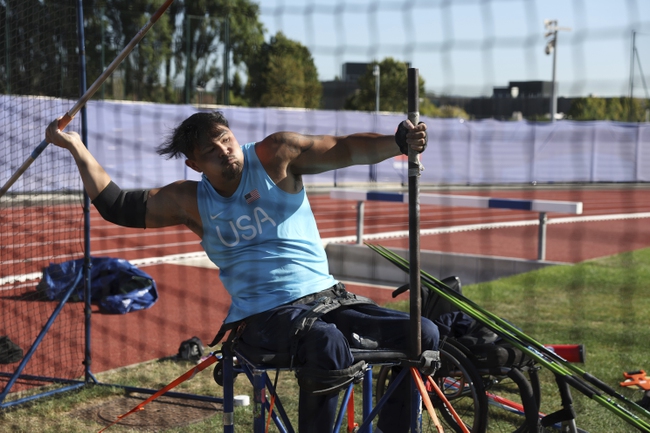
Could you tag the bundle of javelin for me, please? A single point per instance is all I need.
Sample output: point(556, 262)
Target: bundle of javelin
point(572, 374)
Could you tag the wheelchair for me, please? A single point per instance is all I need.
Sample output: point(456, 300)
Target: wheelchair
point(457, 400)
point(461, 384)
point(507, 377)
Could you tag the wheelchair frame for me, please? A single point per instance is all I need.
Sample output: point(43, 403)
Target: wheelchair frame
point(265, 410)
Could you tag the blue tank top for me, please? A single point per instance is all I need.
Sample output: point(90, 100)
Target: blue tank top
point(264, 241)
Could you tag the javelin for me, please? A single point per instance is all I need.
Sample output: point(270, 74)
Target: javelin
point(211, 359)
point(560, 367)
point(65, 120)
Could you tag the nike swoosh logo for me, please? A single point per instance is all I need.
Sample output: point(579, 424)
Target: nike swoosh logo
point(214, 217)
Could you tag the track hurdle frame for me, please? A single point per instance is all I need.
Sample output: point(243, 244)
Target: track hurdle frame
point(540, 206)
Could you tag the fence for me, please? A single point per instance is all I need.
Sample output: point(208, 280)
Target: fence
point(43, 217)
point(123, 136)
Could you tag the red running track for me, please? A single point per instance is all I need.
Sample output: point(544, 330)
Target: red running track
point(194, 303)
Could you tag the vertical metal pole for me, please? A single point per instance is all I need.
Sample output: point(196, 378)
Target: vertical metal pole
point(188, 62)
point(553, 93)
point(347, 407)
point(226, 61)
point(228, 392)
point(259, 398)
point(360, 216)
point(629, 113)
point(372, 174)
point(541, 241)
point(552, 30)
point(7, 48)
point(84, 136)
point(103, 60)
point(375, 72)
point(367, 394)
point(416, 407)
point(414, 219)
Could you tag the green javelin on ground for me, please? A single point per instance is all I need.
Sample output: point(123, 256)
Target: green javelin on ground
point(547, 358)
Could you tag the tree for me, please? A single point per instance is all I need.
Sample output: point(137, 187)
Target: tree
point(182, 44)
point(38, 59)
point(111, 24)
point(237, 91)
point(283, 74)
point(617, 109)
point(392, 90)
point(587, 109)
point(451, 112)
point(213, 22)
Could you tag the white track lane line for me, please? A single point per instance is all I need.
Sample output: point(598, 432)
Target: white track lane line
point(199, 258)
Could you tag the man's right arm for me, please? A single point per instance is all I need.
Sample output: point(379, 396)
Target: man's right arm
point(161, 207)
point(93, 175)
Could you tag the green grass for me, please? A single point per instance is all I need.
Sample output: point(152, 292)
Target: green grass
point(56, 414)
point(603, 304)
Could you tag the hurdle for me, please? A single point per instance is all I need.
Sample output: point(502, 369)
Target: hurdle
point(540, 206)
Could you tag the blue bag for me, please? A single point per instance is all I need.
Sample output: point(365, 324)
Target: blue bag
point(116, 285)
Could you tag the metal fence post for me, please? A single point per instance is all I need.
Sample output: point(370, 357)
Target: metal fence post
point(541, 242)
point(360, 215)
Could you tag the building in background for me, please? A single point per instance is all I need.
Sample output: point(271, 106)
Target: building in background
point(336, 92)
point(518, 100)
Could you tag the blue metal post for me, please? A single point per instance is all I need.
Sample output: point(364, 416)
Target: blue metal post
point(39, 339)
point(259, 400)
point(228, 393)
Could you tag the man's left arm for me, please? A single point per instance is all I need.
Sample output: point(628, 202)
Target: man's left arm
point(323, 153)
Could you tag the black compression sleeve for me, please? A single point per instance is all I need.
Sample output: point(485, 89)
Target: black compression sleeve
point(122, 208)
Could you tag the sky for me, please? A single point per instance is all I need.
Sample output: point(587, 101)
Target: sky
point(467, 47)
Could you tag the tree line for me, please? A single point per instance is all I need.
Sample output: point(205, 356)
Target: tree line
point(618, 109)
point(192, 44)
point(221, 42)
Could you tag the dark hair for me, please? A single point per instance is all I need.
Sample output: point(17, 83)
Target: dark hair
point(192, 131)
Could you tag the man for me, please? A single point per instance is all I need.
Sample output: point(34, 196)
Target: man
point(255, 223)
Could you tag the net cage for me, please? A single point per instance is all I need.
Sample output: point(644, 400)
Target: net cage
point(486, 98)
point(41, 217)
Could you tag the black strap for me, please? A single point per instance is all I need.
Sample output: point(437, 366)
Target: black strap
point(220, 334)
point(318, 381)
point(328, 300)
point(335, 293)
point(305, 320)
point(225, 328)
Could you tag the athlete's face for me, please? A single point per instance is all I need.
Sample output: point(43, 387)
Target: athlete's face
point(220, 158)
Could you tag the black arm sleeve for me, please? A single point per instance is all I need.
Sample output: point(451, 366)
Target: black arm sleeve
point(122, 208)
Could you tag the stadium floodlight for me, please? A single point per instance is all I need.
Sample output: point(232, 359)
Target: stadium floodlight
point(551, 45)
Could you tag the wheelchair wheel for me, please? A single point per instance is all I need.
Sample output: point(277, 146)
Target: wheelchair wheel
point(513, 401)
point(458, 379)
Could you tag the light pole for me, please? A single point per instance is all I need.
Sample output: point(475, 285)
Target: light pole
point(200, 89)
point(632, 67)
point(551, 47)
point(375, 72)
